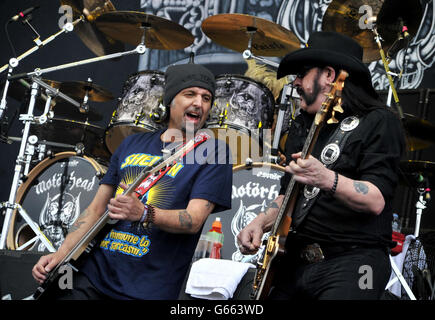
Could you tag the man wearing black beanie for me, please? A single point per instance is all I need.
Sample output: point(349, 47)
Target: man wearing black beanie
point(147, 252)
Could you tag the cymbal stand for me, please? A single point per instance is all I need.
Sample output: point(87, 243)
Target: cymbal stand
point(247, 54)
point(28, 119)
point(140, 49)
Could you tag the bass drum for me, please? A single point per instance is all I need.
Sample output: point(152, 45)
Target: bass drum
point(56, 191)
point(141, 95)
point(253, 189)
point(243, 108)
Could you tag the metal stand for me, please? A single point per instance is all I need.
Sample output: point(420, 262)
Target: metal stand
point(402, 280)
point(10, 204)
point(287, 101)
point(28, 119)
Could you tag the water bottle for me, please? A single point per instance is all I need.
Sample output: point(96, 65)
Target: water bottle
point(216, 237)
point(396, 225)
point(203, 248)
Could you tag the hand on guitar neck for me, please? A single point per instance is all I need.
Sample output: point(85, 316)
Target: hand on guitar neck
point(249, 239)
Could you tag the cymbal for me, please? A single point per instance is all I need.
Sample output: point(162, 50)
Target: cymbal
point(79, 89)
point(412, 172)
point(418, 166)
point(19, 90)
point(128, 27)
point(64, 110)
point(343, 16)
point(420, 133)
point(98, 42)
point(231, 31)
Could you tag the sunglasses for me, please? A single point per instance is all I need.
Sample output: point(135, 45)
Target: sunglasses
point(303, 72)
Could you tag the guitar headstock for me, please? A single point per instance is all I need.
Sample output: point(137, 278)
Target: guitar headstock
point(333, 97)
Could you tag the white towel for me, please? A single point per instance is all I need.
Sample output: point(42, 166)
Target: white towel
point(215, 279)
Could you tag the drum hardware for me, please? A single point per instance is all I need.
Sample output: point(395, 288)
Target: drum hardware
point(10, 205)
point(288, 95)
point(159, 114)
point(416, 173)
point(27, 149)
point(39, 235)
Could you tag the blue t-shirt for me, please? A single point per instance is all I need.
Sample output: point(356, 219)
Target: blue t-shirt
point(131, 263)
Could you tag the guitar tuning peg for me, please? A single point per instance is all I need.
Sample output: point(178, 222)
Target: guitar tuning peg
point(332, 120)
point(338, 108)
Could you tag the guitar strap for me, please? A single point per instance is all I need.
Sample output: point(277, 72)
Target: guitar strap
point(328, 157)
point(152, 179)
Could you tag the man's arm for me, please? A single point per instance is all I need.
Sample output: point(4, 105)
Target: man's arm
point(185, 220)
point(76, 232)
point(362, 196)
point(249, 239)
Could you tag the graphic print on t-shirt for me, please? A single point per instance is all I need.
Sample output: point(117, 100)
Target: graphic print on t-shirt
point(129, 243)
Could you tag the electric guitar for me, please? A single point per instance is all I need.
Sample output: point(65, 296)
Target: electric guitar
point(141, 183)
point(277, 238)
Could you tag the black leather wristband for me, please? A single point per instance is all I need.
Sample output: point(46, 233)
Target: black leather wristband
point(334, 186)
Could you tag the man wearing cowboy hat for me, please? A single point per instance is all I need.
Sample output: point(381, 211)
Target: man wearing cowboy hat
point(340, 234)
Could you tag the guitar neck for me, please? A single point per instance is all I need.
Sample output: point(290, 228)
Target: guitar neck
point(287, 206)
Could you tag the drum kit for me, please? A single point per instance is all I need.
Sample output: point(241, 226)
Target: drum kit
point(243, 107)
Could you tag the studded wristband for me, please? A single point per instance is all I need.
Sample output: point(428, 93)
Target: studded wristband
point(148, 217)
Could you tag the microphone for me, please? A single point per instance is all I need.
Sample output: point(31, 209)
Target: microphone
point(400, 43)
point(23, 13)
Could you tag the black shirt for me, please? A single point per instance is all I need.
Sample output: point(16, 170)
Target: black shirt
point(371, 153)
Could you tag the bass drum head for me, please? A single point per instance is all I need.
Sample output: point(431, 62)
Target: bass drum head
point(56, 191)
point(253, 189)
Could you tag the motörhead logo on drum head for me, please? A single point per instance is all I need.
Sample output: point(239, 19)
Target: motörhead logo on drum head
point(57, 191)
point(254, 188)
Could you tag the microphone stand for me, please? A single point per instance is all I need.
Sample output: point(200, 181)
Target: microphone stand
point(388, 74)
point(13, 62)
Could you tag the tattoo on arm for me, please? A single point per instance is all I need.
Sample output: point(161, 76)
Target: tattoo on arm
point(361, 187)
point(272, 205)
point(78, 222)
point(185, 219)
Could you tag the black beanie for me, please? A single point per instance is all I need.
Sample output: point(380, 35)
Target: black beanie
point(182, 76)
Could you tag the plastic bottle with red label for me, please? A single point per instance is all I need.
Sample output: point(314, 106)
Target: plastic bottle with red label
point(216, 237)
